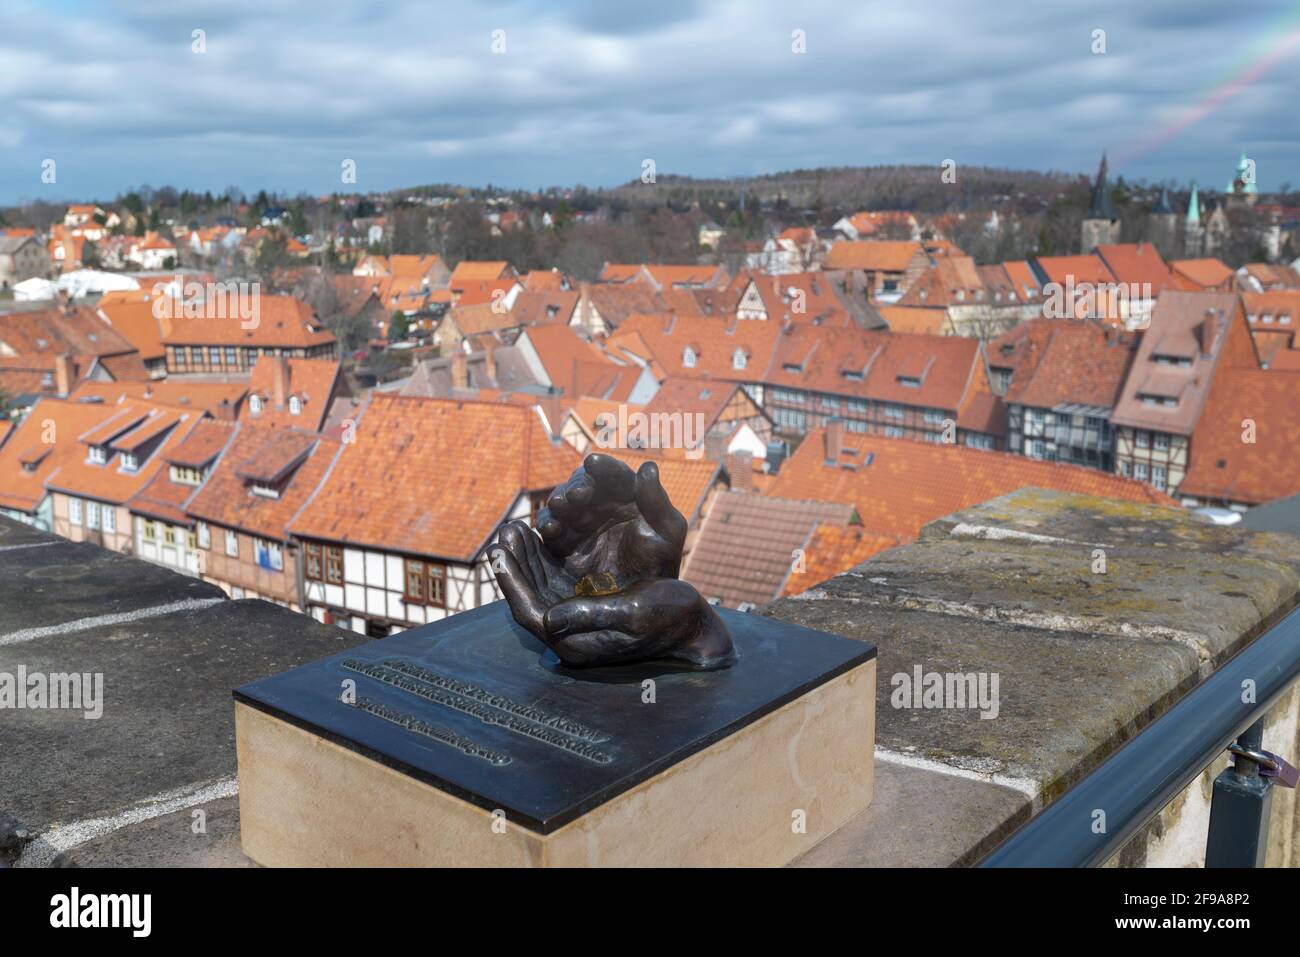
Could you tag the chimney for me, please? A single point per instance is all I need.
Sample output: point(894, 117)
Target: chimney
point(459, 371)
point(281, 395)
point(225, 411)
point(63, 373)
point(834, 440)
point(490, 362)
point(1209, 329)
point(65, 303)
point(740, 465)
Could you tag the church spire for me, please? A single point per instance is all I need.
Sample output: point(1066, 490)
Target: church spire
point(1193, 207)
point(1103, 206)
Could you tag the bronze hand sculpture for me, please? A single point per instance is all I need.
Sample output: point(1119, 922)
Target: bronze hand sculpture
point(600, 585)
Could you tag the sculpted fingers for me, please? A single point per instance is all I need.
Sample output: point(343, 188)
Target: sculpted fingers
point(615, 483)
point(656, 508)
point(520, 594)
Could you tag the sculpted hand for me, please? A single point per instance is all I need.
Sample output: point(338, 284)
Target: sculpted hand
point(600, 585)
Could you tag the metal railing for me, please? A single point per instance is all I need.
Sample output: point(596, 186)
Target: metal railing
point(1093, 820)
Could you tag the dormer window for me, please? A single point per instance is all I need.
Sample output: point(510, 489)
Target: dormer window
point(98, 454)
point(129, 462)
point(738, 359)
point(688, 357)
point(265, 490)
point(255, 404)
point(911, 381)
point(295, 405)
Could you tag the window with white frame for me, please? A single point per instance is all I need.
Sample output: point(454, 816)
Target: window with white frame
point(255, 404)
point(1158, 476)
point(688, 357)
point(738, 359)
point(98, 454)
point(92, 514)
point(205, 535)
point(295, 405)
point(110, 518)
point(269, 555)
point(74, 511)
point(232, 543)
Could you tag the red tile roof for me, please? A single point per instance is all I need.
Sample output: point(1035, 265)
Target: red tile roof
point(1224, 466)
point(44, 441)
point(471, 271)
point(131, 313)
point(165, 499)
point(1190, 334)
point(1136, 265)
point(1202, 273)
point(312, 381)
point(282, 322)
point(913, 319)
point(406, 483)
point(746, 548)
point(867, 254)
point(1076, 270)
point(1077, 362)
point(899, 485)
point(108, 482)
point(834, 549)
point(227, 498)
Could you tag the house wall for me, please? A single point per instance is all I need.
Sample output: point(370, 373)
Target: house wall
point(240, 575)
point(164, 543)
point(1135, 461)
point(371, 599)
point(120, 539)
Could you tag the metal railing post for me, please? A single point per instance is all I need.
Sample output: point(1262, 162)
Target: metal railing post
point(1239, 809)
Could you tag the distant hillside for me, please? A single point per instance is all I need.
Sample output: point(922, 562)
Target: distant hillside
point(918, 188)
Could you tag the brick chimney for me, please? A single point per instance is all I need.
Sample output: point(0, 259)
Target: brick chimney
point(63, 373)
point(281, 387)
point(1209, 329)
point(834, 440)
point(459, 371)
point(740, 466)
point(225, 411)
point(490, 361)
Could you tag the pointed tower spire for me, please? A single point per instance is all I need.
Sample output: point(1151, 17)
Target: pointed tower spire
point(1103, 206)
point(1194, 207)
point(1162, 206)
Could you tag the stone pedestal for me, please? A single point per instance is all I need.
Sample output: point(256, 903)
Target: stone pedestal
point(464, 743)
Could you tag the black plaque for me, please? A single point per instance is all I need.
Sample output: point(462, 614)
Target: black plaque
point(477, 707)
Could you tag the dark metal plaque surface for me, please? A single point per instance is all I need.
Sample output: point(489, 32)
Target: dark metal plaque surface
point(476, 706)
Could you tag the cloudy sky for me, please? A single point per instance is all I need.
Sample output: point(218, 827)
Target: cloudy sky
point(584, 91)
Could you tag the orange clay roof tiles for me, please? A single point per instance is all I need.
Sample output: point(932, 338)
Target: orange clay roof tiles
point(406, 483)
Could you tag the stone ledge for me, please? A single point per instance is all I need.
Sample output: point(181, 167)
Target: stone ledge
point(1085, 660)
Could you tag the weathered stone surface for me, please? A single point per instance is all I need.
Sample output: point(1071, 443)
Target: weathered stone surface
point(1084, 519)
point(168, 715)
point(13, 534)
point(46, 586)
point(1197, 600)
point(1051, 724)
point(922, 818)
point(168, 841)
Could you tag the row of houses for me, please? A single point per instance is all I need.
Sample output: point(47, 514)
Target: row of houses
point(378, 530)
